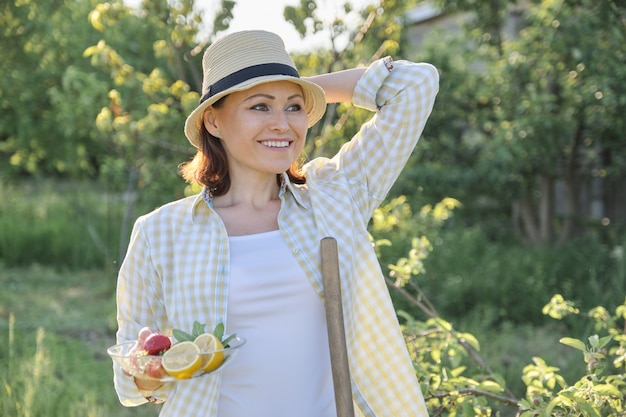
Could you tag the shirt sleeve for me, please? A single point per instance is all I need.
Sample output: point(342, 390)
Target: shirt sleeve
point(402, 98)
point(138, 305)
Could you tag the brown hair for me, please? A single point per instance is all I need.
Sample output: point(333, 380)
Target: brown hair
point(209, 167)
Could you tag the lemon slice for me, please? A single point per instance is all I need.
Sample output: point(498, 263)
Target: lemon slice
point(208, 342)
point(182, 360)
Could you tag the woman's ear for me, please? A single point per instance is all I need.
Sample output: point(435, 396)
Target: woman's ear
point(208, 118)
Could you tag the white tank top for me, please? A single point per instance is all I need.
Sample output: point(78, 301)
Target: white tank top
point(283, 370)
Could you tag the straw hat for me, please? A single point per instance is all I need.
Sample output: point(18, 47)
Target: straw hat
point(242, 60)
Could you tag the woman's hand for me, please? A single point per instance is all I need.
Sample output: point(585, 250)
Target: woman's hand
point(147, 385)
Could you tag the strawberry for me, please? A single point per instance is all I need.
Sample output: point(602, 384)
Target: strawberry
point(157, 344)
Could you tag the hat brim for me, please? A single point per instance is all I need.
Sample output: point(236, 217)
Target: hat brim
point(314, 101)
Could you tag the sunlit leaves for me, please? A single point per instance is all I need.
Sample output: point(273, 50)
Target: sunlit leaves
point(102, 55)
point(575, 343)
point(453, 381)
point(600, 392)
point(104, 120)
point(413, 264)
point(95, 18)
point(442, 211)
point(558, 307)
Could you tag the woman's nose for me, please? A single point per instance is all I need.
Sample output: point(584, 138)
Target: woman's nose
point(280, 121)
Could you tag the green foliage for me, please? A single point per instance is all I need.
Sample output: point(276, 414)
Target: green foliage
point(455, 378)
point(70, 226)
point(448, 160)
point(516, 120)
point(469, 274)
point(149, 65)
point(466, 275)
point(458, 381)
point(602, 390)
point(554, 70)
point(108, 99)
point(47, 92)
point(513, 119)
point(142, 118)
point(299, 17)
point(150, 96)
point(394, 222)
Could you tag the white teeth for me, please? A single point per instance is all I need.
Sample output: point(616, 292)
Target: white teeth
point(276, 143)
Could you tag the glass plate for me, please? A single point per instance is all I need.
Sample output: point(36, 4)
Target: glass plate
point(149, 366)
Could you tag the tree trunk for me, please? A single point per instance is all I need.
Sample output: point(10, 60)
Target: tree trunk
point(546, 208)
point(529, 220)
point(571, 178)
point(572, 192)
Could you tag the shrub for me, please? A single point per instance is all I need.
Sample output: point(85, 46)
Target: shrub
point(467, 274)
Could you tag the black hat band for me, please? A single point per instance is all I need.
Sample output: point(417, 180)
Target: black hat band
point(245, 74)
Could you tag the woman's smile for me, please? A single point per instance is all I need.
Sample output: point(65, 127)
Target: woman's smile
point(276, 143)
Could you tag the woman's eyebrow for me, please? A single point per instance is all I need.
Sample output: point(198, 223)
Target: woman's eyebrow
point(271, 97)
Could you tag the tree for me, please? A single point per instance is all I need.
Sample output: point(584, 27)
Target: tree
point(533, 114)
point(150, 96)
point(48, 92)
point(562, 110)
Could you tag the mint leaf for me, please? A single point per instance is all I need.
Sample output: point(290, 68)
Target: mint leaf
point(226, 341)
point(219, 331)
point(182, 336)
point(198, 328)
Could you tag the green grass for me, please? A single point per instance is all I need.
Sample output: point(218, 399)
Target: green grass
point(59, 245)
point(56, 327)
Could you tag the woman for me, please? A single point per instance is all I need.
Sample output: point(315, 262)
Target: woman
point(245, 251)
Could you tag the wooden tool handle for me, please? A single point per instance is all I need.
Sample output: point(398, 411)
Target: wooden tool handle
point(336, 331)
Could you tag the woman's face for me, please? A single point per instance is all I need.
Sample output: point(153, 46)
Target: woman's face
point(263, 129)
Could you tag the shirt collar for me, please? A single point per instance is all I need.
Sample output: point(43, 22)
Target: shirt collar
point(202, 199)
point(294, 190)
point(197, 205)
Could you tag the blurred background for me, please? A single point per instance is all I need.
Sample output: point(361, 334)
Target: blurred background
point(515, 193)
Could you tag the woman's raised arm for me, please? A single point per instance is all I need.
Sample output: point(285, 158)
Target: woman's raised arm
point(338, 86)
